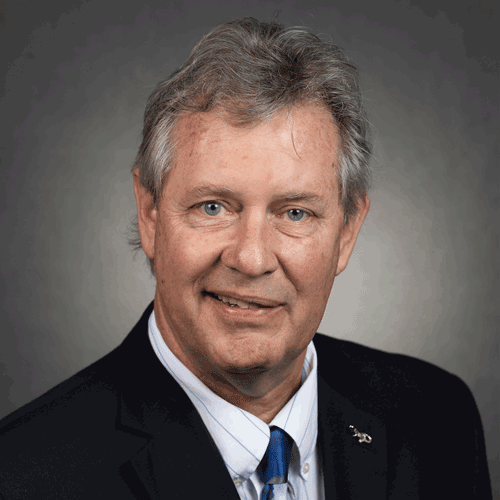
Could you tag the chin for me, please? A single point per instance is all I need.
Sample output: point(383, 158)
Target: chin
point(255, 359)
point(246, 363)
point(252, 351)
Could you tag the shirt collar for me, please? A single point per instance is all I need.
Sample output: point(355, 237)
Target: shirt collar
point(241, 437)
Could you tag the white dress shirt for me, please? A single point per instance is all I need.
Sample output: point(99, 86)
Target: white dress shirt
point(242, 438)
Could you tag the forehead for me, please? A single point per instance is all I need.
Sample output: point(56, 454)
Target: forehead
point(300, 145)
point(215, 127)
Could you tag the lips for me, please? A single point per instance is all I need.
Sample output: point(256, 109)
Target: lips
point(243, 302)
point(237, 303)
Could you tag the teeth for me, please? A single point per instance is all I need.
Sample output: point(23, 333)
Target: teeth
point(236, 303)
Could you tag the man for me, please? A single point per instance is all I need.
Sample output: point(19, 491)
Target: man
point(251, 187)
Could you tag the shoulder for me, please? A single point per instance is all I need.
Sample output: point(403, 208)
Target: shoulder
point(376, 361)
point(69, 399)
point(384, 382)
point(59, 433)
point(89, 388)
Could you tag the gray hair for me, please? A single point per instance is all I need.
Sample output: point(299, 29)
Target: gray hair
point(252, 70)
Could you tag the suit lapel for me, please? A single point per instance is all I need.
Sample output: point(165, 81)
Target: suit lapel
point(181, 461)
point(171, 453)
point(352, 470)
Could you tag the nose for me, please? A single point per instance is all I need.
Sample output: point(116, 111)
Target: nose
point(252, 249)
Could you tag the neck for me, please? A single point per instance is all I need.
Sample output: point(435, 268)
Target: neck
point(262, 394)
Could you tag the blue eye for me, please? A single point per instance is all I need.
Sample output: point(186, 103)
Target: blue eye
point(296, 214)
point(212, 208)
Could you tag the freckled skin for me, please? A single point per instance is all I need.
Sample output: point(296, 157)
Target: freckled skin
point(251, 246)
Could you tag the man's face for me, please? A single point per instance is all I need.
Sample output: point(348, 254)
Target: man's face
point(247, 240)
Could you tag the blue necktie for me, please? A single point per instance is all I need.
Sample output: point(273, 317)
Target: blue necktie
point(273, 469)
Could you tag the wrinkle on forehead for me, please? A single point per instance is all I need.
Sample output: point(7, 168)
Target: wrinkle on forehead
point(192, 129)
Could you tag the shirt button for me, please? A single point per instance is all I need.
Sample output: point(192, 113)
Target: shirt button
point(237, 482)
point(305, 469)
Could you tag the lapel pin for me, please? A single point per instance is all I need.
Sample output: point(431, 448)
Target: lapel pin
point(363, 437)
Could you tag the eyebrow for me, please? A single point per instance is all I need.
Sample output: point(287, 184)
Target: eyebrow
point(215, 191)
point(210, 190)
point(303, 196)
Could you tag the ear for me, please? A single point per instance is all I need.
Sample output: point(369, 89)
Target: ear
point(349, 233)
point(146, 216)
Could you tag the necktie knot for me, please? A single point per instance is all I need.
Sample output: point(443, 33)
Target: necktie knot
point(273, 469)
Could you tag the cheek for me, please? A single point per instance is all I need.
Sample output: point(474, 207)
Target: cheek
point(320, 284)
point(311, 264)
point(311, 268)
point(182, 255)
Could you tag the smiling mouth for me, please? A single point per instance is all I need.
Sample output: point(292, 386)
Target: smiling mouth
point(232, 302)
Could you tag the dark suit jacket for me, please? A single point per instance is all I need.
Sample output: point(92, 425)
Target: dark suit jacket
point(124, 429)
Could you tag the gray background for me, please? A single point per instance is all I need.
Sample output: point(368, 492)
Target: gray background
point(424, 278)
